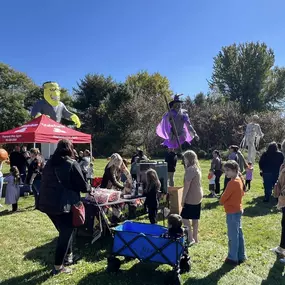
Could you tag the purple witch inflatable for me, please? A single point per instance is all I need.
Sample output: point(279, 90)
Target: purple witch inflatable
point(179, 117)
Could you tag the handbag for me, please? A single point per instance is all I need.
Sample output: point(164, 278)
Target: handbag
point(78, 214)
point(70, 203)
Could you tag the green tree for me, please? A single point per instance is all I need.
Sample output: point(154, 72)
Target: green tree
point(14, 87)
point(13, 80)
point(148, 105)
point(99, 101)
point(200, 99)
point(240, 74)
point(12, 111)
point(274, 90)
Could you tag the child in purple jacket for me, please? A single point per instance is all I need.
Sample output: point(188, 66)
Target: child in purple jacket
point(248, 175)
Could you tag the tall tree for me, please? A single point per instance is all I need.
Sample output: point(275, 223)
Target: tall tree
point(12, 111)
point(200, 99)
point(240, 73)
point(13, 80)
point(149, 105)
point(274, 90)
point(99, 101)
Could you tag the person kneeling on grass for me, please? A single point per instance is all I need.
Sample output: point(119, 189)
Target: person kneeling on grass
point(232, 202)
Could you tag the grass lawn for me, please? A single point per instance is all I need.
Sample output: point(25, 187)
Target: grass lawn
point(27, 242)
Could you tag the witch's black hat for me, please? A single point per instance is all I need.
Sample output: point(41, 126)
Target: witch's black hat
point(175, 100)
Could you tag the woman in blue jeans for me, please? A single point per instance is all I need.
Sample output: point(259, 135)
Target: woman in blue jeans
point(269, 164)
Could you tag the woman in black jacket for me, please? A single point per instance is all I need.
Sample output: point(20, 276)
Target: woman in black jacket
point(269, 164)
point(61, 173)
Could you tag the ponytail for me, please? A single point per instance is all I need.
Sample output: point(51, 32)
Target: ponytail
point(242, 180)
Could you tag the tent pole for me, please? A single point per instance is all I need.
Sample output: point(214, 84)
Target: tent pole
point(91, 151)
point(48, 150)
point(34, 145)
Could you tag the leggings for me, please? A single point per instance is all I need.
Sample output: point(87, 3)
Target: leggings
point(63, 224)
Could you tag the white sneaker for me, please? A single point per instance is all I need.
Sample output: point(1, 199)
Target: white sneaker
point(278, 250)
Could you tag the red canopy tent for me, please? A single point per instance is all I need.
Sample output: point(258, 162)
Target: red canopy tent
point(43, 130)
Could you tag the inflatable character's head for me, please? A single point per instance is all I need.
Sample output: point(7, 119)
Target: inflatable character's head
point(52, 93)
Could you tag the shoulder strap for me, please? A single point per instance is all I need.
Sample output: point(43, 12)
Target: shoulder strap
point(57, 177)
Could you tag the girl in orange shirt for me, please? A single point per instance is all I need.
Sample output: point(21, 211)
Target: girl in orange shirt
point(232, 202)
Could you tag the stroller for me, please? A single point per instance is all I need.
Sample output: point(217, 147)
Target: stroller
point(146, 242)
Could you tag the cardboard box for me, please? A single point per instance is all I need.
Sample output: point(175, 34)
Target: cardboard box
point(175, 198)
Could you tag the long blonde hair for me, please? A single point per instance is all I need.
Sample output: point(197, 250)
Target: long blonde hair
point(152, 179)
point(191, 159)
point(115, 160)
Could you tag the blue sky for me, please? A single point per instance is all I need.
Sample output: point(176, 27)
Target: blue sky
point(63, 40)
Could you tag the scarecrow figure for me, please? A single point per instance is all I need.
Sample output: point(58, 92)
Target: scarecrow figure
point(252, 137)
point(176, 117)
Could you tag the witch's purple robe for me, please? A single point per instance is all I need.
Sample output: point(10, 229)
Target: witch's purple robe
point(181, 120)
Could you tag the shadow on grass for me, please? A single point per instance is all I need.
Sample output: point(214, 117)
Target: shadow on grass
point(45, 254)
point(211, 205)
point(31, 278)
point(212, 278)
point(259, 208)
point(275, 275)
point(140, 273)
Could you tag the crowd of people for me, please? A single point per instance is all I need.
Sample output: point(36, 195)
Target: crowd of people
point(26, 167)
point(72, 171)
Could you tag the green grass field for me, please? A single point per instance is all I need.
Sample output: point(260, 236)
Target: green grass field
point(27, 243)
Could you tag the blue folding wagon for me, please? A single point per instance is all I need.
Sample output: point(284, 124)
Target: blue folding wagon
point(146, 243)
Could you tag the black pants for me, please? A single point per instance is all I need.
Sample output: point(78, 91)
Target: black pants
point(226, 181)
point(247, 184)
point(63, 224)
point(15, 207)
point(218, 174)
point(282, 242)
point(152, 212)
point(36, 190)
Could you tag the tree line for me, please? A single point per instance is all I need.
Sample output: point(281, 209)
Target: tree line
point(123, 115)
